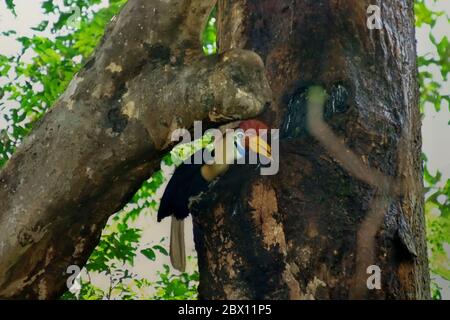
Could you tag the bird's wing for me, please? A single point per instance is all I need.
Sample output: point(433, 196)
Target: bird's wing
point(185, 182)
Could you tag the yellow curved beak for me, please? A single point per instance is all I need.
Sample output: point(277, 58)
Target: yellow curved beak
point(260, 146)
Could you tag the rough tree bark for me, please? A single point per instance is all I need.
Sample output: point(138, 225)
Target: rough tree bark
point(107, 133)
point(349, 190)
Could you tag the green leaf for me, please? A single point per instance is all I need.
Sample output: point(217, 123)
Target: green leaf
point(149, 253)
point(432, 180)
point(11, 6)
point(209, 36)
point(41, 26)
point(167, 159)
point(8, 33)
point(48, 6)
point(161, 249)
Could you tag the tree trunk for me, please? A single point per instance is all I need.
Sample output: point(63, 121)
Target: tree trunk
point(349, 192)
point(107, 134)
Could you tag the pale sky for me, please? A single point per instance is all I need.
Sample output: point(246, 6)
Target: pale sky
point(436, 131)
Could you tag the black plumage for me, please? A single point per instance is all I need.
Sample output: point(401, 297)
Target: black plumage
point(189, 181)
point(186, 182)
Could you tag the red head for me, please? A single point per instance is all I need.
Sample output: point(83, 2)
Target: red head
point(254, 131)
point(253, 124)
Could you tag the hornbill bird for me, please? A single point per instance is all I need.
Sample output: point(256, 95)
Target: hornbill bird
point(190, 180)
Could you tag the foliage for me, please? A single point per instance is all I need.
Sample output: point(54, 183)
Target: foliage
point(128, 286)
point(170, 287)
point(210, 34)
point(33, 86)
point(437, 206)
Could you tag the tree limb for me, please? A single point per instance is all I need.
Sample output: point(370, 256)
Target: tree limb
point(107, 133)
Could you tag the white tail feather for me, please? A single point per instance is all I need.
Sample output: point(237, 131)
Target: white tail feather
point(177, 245)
